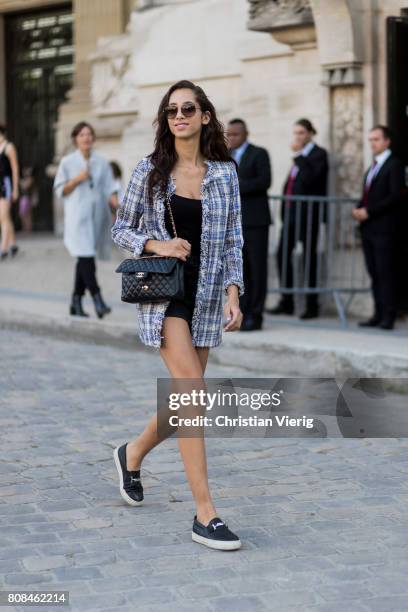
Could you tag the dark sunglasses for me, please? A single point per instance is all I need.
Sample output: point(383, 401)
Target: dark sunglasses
point(188, 109)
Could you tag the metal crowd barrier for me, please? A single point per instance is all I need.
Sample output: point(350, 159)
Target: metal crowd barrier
point(318, 249)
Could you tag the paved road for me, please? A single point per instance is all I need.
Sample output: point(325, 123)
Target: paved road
point(323, 522)
point(39, 280)
point(35, 289)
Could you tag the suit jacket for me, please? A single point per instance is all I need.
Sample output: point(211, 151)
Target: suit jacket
point(311, 179)
point(255, 177)
point(384, 197)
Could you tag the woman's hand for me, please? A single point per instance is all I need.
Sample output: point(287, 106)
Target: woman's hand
point(73, 183)
point(83, 176)
point(15, 195)
point(232, 314)
point(177, 247)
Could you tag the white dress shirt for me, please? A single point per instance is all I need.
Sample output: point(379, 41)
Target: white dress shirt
point(304, 152)
point(239, 151)
point(381, 158)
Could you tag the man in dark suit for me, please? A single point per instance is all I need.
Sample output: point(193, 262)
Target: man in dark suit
point(254, 173)
point(377, 213)
point(308, 176)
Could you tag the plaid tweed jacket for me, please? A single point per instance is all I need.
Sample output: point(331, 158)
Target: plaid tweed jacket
point(139, 218)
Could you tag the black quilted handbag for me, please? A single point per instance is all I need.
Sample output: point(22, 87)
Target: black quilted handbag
point(152, 278)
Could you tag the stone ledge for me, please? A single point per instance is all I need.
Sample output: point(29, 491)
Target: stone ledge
point(293, 351)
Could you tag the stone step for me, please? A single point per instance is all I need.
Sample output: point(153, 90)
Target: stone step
point(281, 348)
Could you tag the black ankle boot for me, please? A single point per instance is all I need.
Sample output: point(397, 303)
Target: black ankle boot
point(101, 308)
point(76, 307)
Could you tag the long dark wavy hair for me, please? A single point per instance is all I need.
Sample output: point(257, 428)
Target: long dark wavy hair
point(213, 145)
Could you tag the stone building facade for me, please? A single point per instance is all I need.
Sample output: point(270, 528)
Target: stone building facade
point(268, 61)
point(45, 77)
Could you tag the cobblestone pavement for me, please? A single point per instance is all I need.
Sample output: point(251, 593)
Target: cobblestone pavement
point(323, 522)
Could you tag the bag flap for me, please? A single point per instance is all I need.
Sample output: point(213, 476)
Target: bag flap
point(160, 265)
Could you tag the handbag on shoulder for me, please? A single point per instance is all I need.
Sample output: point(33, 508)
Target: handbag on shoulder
point(152, 278)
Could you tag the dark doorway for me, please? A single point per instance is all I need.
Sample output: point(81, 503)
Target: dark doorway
point(397, 62)
point(397, 31)
point(39, 59)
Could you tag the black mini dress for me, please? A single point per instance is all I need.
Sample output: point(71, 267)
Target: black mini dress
point(187, 219)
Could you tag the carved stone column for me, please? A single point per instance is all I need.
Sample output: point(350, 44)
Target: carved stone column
point(92, 19)
point(295, 22)
point(346, 128)
point(340, 28)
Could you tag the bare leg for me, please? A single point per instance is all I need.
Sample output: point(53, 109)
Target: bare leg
point(183, 360)
point(143, 444)
point(5, 224)
point(8, 236)
point(12, 233)
point(27, 222)
point(148, 439)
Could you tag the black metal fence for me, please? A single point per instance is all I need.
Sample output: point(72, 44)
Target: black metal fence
point(319, 250)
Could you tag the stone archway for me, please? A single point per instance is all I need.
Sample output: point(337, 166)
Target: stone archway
point(342, 18)
point(339, 33)
point(336, 25)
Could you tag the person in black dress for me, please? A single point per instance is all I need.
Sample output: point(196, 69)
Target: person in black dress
point(187, 219)
point(191, 164)
point(9, 183)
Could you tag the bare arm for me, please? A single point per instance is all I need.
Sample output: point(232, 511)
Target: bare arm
point(176, 247)
point(70, 186)
point(73, 183)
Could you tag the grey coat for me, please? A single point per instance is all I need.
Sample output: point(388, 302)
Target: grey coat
point(87, 216)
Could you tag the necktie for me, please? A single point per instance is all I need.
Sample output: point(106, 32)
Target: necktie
point(368, 182)
point(289, 185)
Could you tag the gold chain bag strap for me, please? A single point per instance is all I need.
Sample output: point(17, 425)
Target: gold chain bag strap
point(152, 278)
point(171, 217)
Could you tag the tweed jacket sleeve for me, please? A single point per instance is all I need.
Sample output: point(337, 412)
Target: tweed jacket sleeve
point(232, 252)
point(125, 232)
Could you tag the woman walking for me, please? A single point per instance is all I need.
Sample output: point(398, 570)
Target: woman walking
point(85, 182)
point(9, 178)
point(191, 170)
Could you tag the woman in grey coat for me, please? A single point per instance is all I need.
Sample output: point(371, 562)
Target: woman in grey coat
point(85, 182)
point(191, 172)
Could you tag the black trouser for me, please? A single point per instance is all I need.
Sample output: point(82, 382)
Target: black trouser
point(380, 261)
point(255, 271)
point(85, 276)
point(310, 261)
